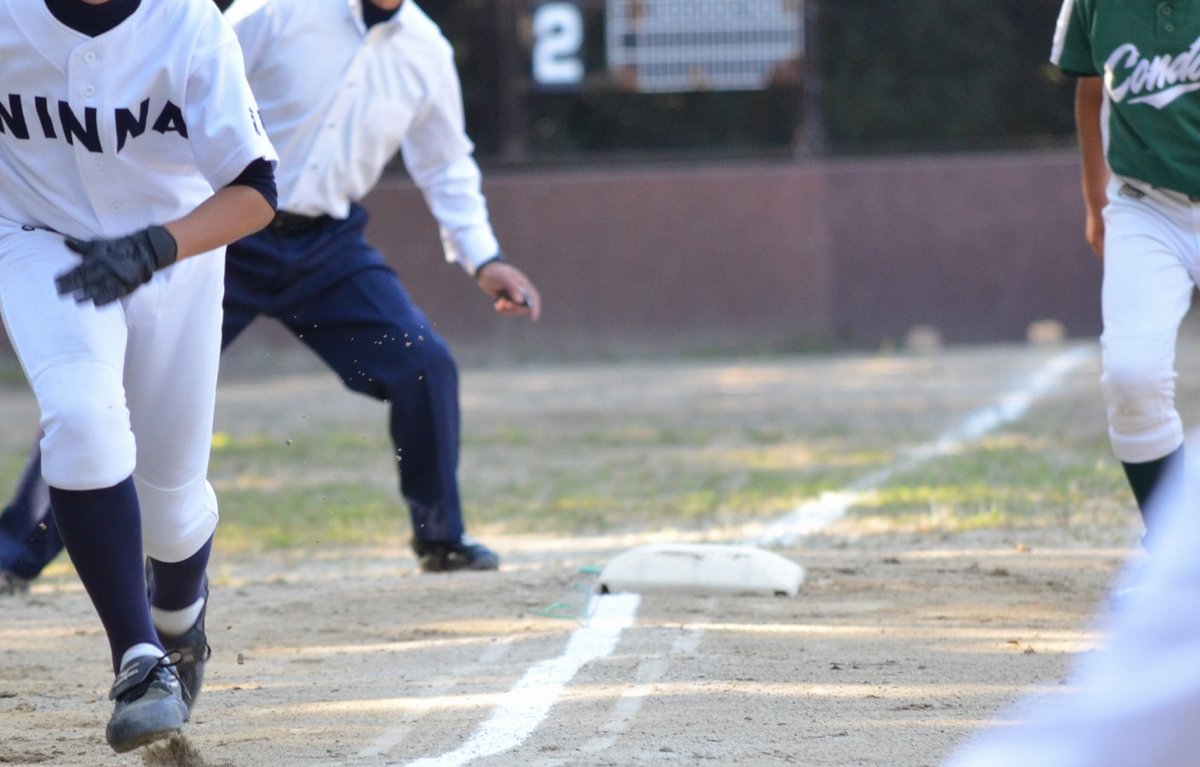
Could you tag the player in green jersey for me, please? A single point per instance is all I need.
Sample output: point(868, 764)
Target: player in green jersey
point(1137, 109)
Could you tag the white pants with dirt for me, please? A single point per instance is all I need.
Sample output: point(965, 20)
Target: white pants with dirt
point(127, 388)
point(1151, 267)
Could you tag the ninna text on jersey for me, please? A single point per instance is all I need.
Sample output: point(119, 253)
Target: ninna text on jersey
point(1162, 78)
point(14, 122)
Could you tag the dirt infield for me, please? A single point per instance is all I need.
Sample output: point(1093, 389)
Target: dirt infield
point(901, 641)
point(896, 646)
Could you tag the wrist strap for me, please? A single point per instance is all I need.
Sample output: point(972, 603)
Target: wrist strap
point(162, 245)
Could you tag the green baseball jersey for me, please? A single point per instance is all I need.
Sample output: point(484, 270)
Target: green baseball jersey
point(1149, 56)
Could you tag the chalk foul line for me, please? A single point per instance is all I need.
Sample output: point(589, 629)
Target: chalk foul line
point(814, 515)
point(524, 707)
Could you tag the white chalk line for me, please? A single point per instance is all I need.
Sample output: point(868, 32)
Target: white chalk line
point(528, 703)
point(647, 674)
point(393, 737)
point(524, 707)
point(810, 517)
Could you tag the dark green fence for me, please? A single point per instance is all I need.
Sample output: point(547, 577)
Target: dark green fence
point(873, 76)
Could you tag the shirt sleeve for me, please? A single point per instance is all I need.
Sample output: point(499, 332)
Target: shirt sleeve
point(223, 115)
point(260, 176)
point(1072, 48)
point(439, 158)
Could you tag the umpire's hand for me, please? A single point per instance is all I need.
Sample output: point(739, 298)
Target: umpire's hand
point(115, 268)
point(508, 287)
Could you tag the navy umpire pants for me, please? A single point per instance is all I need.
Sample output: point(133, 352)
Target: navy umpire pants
point(336, 294)
point(28, 535)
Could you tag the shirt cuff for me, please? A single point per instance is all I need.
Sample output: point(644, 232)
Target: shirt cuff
point(471, 248)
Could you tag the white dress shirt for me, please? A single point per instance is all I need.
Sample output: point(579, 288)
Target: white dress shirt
point(339, 100)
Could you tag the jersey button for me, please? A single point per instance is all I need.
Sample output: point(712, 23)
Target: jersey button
point(89, 57)
point(88, 90)
point(1168, 27)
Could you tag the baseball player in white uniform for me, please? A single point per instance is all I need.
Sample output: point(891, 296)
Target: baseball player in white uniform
point(384, 81)
point(118, 120)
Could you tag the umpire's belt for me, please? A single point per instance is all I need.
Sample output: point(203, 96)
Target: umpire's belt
point(290, 224)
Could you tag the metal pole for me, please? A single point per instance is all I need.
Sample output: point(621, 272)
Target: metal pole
point(512, 85)
point(811, 141)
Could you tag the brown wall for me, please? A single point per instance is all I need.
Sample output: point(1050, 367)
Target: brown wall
point(847, 254)
point(750, 257)
point(978, 246)
point(634, 260)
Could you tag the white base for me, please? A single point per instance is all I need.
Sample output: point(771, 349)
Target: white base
point(700, 567)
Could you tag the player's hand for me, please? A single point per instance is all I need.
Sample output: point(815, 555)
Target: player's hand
point(115, 268)
point(510, 290)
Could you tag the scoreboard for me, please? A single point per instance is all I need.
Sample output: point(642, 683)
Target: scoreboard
point(669, 46)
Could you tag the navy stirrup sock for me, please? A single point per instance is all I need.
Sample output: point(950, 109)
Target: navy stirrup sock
point(1146, 478)
point(102, 531)
point(177, 585)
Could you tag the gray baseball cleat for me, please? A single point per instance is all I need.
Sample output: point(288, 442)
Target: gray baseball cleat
point(149, 704)
point(188, 653)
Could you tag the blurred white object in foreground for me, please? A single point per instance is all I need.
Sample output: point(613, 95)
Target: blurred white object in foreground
point(1136, 700)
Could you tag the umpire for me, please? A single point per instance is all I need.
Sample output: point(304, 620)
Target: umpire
point(384, 80)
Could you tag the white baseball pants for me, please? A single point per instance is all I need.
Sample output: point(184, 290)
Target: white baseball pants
point(1151, 267)
point(128, 388)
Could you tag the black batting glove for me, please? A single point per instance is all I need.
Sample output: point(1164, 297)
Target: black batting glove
point(117, 267)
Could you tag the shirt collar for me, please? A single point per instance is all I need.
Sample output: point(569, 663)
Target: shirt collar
point(397, 18)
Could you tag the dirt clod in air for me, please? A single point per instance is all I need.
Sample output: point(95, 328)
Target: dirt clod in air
point(175, 752)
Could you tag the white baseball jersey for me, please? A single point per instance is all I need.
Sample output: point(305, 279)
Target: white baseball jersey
point(151, 117)
point(339, 101)
point(101, 137)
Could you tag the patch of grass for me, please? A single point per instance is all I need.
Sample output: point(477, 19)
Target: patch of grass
point(310, 516)
point(513, 436)
point(1013, 480)
point(316, 489)
point(581, 478)
point(622, 488)
point(679, 446)
point(11, 375)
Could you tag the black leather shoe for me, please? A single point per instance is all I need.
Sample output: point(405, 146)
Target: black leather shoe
point(464, 554)
point(12, 584)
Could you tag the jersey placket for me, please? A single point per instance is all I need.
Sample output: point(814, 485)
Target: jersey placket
point(1165, 26)
point(86, 102)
